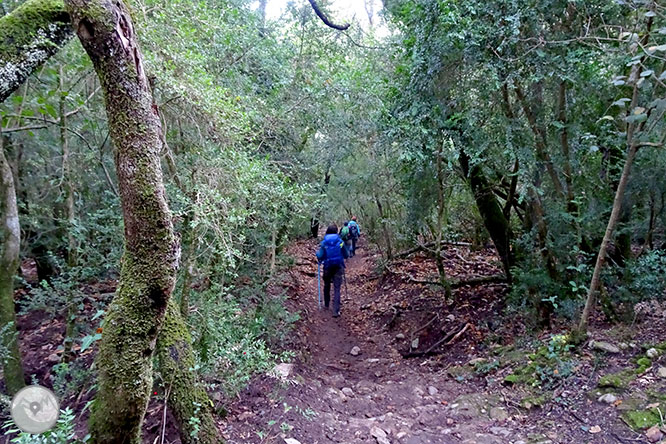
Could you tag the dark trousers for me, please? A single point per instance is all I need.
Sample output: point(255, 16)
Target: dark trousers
point(353, 248)
point(314, 228)
point(333, 274)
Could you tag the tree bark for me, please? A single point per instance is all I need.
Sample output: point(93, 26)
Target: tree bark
point(608, 235)
point(385, 229)
point(491, 212)
point(150, 260)
point(9, 261)
point(540, 140)
point(29, 35)
point(187, 399)
point(440, 224)
point(632, 149)
point(68, 189)
point(572, 206)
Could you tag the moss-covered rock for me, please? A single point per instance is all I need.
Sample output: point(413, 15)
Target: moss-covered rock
point(641, 419)
point(532, 402)
point(619, 380)
point(643, 364)
point(522, 375)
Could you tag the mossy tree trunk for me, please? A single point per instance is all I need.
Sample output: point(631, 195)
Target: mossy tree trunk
point(491, 211)
point(9, 262)
point(441, 209)
point(29, 35)
point(187, 399)
point(151, 254)
point(68, 191)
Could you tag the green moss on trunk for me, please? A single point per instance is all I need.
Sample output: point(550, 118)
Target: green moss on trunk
point(29, 35)
point(150, 260)
point(9, 262)
point(491, 212)
point(187, 400)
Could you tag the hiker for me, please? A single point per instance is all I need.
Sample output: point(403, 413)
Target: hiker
point(332, 253)
point(346, 236)
point(355, 233)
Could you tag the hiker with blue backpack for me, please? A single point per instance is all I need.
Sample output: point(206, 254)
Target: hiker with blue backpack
point(354, 233)
point(332, 253)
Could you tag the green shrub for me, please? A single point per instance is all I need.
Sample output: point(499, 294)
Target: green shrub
point(62, 433)
point(233, 339)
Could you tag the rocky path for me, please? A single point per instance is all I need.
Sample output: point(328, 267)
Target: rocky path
point(336, 395)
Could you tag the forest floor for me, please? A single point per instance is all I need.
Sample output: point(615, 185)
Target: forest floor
point(487, 376)
point(487, 382)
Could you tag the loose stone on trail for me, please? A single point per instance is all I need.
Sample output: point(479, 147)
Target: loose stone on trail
point(608, 398)
point(604, 346)
point(379, 435)
point(282, 371)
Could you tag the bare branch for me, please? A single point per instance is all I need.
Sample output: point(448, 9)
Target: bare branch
point(325, 19)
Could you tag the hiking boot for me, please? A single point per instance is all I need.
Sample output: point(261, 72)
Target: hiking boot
point(336, 315)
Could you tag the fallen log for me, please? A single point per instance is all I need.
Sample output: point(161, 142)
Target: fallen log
point(475, 280)
point(429, 245)
point(451, 337)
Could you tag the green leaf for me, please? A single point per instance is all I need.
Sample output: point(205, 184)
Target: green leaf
point(621, 102)
point(636, 118)
point(87, 341)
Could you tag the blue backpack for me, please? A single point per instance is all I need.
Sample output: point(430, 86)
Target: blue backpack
point(333, 246)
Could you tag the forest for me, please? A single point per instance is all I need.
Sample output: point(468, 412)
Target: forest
point(169, 168)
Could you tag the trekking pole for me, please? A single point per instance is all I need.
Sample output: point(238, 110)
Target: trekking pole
point(344, 277)
point(318, 286)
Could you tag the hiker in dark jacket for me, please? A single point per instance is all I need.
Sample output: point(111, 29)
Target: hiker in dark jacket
point(332, 253)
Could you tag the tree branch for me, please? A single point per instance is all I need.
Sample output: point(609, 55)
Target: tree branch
point(29, 35)
point(325, 19)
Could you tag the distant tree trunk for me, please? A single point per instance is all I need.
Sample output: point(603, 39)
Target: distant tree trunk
point(540, 140)
point(610, 228)
point(572, 206)
point(441, 207)
point(29, 35)
point(273, 250)
point(370, 11)
point(187, 399)
point(632, 148)
point(9, 262)
point(68, 186)
point(385, 229)
point(491, 212)
point(262, 16)
point(150, 260)
point(67, 181)
point(537, 219)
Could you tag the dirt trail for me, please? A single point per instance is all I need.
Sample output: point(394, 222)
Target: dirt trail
point(377, 396)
